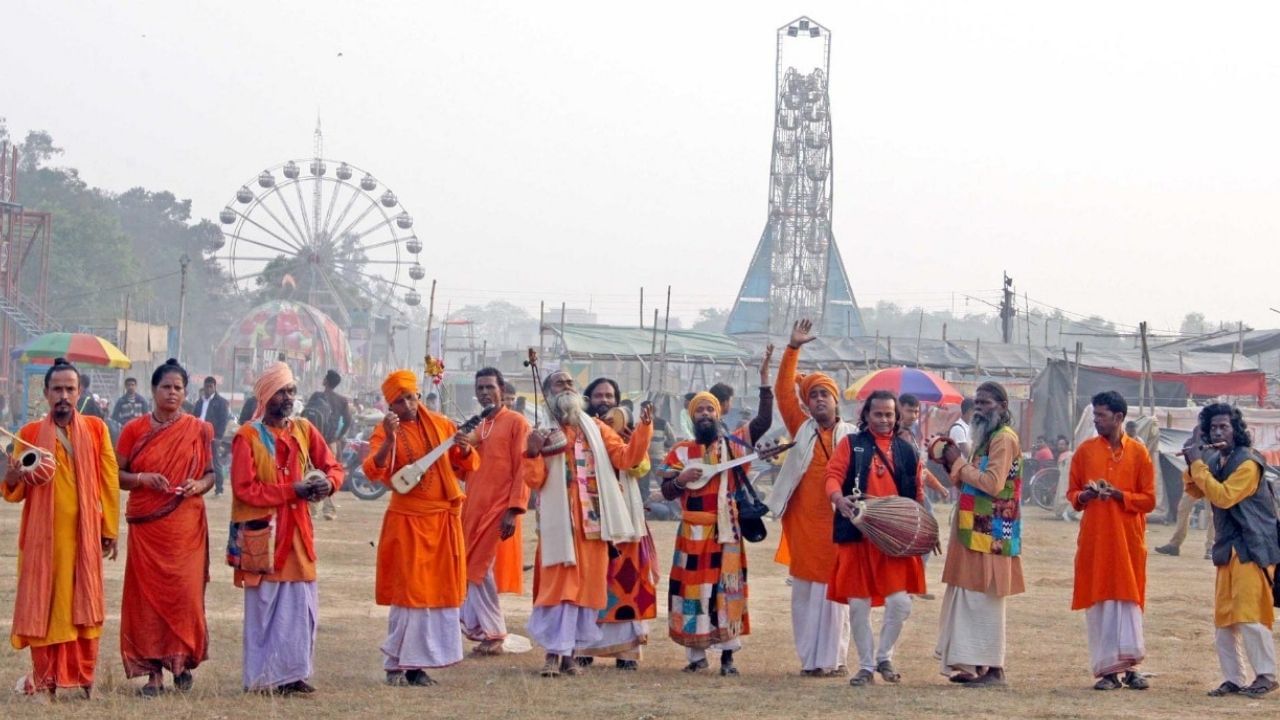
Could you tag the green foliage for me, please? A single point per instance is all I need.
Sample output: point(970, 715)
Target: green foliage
point(107, 245)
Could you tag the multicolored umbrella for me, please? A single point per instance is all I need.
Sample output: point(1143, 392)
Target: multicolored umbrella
point(921, 383)
point(79, 348)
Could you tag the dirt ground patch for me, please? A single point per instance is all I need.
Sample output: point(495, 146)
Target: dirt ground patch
point(1048, 658)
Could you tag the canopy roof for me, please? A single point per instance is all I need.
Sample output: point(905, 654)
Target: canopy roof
point(607, 342)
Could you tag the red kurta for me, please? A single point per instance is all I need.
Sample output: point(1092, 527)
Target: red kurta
point(1111, 550)
point(861, 569)
point(421, 556)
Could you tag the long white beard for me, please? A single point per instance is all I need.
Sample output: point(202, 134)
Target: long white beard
point(568, 407)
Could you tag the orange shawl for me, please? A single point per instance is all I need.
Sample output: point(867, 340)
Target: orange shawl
point(35, 581)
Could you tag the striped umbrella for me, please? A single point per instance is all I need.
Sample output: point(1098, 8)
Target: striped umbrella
point(901, 380)
point(79, 348)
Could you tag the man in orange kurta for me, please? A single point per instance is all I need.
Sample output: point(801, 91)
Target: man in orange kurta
point(582, 508)
point(421, 561)
point(496, 498)
point(71, 507)
point(1112, 482)
point(799, 497)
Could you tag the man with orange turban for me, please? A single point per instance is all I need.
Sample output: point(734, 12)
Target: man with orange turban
point(270, 459)
point(799, 498)
point(422, 569)
point(707, 592)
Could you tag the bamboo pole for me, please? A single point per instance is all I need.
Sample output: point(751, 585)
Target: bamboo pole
point(666, 327)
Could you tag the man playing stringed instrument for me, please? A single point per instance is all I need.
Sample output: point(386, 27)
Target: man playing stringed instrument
point(583, 506)
point(422, 572)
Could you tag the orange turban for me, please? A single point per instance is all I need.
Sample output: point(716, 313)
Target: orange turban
point(699, 398)
point(276, 376)
point(808, 382)
point(398, 383)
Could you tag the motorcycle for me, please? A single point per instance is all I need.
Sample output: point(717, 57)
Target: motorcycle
point(354, 453)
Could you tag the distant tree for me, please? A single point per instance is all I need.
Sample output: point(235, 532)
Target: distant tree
point(1193, 323)
point(36, 151)
point(711, 319)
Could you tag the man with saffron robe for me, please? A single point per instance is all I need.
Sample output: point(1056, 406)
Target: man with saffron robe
point(70, 510)
point(421, 562)
point(983, 565)
point(583, 506)
point(1112, 482)
point(270, 457)
point(496, 498)
point(879, 462)
point(1245, 547)
point(707, 591)
point(800, 499)
point(632, 580)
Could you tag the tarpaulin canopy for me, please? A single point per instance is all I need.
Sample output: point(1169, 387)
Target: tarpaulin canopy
point(290, 327)
point(1051, 391)
point(607, 342)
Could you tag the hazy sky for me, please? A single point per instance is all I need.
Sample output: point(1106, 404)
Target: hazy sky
point(1116, 158)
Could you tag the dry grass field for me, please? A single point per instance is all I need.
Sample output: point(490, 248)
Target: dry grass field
point(1048, 660)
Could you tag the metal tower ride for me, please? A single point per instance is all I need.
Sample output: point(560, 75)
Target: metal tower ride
point(796, 271)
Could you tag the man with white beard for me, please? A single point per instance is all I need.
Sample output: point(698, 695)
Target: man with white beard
point(583, 506)
point(983, 566)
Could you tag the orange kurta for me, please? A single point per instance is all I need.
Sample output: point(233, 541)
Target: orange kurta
point(861, 569)
point(508, 563)
point(492, 489)
point(162, 613)
point(1111, 550)
point(59, 610)
point(807, 523)
point(421, 556)
point(583, 584)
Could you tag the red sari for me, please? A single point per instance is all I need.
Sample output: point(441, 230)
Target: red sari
point(162, 622)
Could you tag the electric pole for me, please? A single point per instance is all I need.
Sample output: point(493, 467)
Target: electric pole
point(182, 300)
point(1006, 310)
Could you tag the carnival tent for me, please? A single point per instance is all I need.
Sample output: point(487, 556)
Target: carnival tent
point(283, 326)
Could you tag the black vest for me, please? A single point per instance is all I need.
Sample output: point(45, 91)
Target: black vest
point(1249, 527)
point(906, 466)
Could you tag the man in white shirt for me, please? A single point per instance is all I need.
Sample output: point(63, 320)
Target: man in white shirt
point(960, 428)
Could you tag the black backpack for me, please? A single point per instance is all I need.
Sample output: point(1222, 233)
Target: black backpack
point(318, 413)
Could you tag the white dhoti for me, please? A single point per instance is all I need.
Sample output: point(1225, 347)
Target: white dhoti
point(970, 631)
point(481, 614)
point(561, 629)
point(620, 639)
point(1258, 646)
point(820, 627)
point(897, 608)
point(1115, 636)
point(420, 638)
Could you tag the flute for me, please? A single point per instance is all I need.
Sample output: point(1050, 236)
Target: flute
point(1202, 448)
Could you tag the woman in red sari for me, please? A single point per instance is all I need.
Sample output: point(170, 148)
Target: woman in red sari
point(166, 465)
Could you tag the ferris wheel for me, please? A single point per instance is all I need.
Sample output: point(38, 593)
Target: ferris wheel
point(328, 233)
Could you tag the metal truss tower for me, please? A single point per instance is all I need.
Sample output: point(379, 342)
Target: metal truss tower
point(796, 271)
